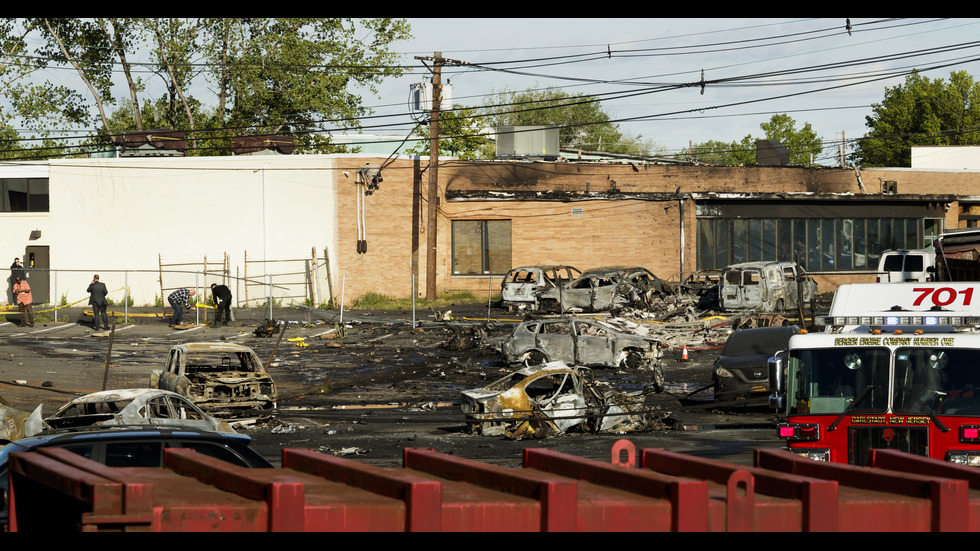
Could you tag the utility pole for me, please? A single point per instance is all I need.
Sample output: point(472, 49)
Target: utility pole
point(432, 194)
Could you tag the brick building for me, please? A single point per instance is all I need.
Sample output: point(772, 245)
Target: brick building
point(132, 215)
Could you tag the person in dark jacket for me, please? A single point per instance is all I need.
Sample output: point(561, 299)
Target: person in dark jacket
point(222, 298)
point(97, 293)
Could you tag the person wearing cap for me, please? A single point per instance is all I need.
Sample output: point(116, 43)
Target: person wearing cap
point(222, 299)
point(24, 300)
point(178, 299)
point(96, 298)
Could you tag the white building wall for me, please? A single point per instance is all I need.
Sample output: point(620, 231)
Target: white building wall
point(117, 217)
point(960, 157)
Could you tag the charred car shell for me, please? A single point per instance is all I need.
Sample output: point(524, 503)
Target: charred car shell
point(134, 406)
point(768, 286)
point(605, 289)
point(552, 398)
point(223, 379)
point(520, 288)
point(584, 342)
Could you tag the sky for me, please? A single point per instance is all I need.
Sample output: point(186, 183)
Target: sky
point(647, 72)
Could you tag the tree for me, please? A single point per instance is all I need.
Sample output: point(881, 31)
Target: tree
point(268, 75)
point(461, 134)
point(35, 106)
point(803, 144)
point(920, 112)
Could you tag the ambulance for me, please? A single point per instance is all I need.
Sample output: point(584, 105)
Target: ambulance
point(896, 367)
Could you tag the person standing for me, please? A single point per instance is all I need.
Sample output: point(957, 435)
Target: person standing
point(24, 300)
point(16, 270)
point(222, 299)
point(97, 293)
point(178, 299)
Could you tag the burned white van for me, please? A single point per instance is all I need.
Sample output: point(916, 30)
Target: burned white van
point(766, 286)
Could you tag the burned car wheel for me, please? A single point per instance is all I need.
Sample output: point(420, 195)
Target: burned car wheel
point(632, 359)
point(534, 357)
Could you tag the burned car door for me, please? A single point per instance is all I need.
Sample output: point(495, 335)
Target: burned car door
point(593, 344)
point(520, 285)
point(172, 377)
point(605, 290)
point(555, 338)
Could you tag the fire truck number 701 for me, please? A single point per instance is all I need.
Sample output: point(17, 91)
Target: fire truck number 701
point(942, 296)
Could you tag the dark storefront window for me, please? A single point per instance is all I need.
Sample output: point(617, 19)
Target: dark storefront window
point(822, 244)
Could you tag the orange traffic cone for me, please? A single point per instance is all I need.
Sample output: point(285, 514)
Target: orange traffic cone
point(684, 353)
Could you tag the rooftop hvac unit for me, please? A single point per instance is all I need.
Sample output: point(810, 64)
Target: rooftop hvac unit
point(771, 152)
point(422, 96)
point(527, 141)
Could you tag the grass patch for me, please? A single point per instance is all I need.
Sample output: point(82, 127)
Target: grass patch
point(377, 301)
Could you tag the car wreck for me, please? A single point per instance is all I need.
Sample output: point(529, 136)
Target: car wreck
point(606, 289)
point(767, 286)
point(134, 406)
point(584, 342)
point(223, 379)
point(521, 287)
point(554, 398)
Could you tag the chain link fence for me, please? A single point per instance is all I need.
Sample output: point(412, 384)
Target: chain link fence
point(289, 282)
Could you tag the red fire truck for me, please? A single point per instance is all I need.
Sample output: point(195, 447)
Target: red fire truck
point(897, 366)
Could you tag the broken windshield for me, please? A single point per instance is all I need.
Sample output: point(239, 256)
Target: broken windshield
point(937, 380)
point(829, 380)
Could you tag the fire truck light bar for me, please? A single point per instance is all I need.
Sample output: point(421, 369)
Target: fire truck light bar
point(907, 320)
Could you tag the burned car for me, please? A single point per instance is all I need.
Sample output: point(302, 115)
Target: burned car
point(585, 342)
point(552, 398)
point(520, 288)
point(134, 406)
point(741, 371)
point(768, 286)
point(223, 379)
point(605, 289)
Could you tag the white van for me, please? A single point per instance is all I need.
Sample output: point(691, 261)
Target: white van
point(907, 265)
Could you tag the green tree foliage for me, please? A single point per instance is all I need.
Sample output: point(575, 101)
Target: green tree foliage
point(920, 112)
point(38, 107)
point(803, 144)
point(461, 134)
point(252, 76)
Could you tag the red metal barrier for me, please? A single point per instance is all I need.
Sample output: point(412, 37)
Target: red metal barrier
point(756, 499)
point(876, 499)
point(53, 489)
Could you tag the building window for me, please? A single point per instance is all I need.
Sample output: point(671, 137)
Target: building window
point(821, 244)
point(24, 194)
point(481, 247)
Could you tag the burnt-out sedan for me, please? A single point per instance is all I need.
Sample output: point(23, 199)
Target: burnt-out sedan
point(223, 379)
point(582, 342)
point(741, 370)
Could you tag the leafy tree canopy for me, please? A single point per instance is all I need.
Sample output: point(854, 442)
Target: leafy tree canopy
point(803, 144)
point(920, 112)
point(220, 77)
